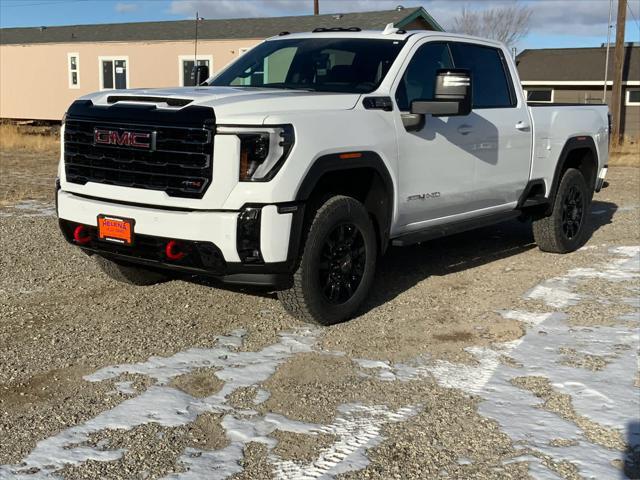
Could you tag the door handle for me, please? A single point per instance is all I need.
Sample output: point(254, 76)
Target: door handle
point(522, 126)
point(464, 129)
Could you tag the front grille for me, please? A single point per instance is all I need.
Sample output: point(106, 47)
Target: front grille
point(180, 164)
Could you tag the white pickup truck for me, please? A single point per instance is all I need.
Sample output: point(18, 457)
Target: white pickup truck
point(297, 165)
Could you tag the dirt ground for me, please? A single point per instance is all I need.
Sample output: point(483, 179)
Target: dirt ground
point(476, 356)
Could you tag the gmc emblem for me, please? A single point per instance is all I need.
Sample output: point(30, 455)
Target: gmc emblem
point(124, 138)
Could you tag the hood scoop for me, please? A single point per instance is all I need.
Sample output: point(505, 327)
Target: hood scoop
point(171, 101)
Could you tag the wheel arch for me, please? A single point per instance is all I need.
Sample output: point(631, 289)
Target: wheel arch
point(363, 175)
point(578, 152)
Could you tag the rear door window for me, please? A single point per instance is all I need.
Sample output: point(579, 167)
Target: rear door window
point(492, 88)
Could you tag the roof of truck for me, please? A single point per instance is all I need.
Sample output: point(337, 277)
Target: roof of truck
point(379, 34)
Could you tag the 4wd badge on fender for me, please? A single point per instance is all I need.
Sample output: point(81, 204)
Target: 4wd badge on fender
point(424, 196)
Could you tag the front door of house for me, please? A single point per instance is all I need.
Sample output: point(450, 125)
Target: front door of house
point(114, 73)
point(188, 72)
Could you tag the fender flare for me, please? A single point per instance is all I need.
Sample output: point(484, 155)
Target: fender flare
point(367, 160)
point(572, 144)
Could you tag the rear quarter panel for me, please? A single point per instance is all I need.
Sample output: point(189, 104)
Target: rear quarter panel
point(553, 126)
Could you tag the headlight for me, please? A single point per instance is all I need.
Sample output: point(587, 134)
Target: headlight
point(263, 150)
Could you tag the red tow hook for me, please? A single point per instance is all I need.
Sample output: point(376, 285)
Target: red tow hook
point(175, 251)
point(81, 235)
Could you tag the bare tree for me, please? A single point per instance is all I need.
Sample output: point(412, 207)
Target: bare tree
point(506, 24)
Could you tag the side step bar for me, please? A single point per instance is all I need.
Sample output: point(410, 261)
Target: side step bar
point(438, 231)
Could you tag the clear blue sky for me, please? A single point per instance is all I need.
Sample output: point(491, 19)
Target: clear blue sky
point(555, 23)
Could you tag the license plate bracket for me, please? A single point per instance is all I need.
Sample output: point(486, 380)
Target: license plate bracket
point(116, 229)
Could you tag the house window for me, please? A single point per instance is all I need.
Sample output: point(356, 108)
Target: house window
point(185, 66)
point(542, 95)
point(114, 72)
point(633, 96)
point(73, 64)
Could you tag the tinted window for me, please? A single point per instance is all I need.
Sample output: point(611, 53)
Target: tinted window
point(419, 79)
point(323, 64)
point(538, 95)
point(490, 85)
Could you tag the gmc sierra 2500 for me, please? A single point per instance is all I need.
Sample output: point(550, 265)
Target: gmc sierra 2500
point(301, 162)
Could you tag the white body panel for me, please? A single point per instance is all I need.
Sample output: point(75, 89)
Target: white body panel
point(479, 163)
point(553, 126)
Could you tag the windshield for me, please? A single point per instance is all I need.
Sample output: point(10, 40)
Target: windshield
point(351, 65)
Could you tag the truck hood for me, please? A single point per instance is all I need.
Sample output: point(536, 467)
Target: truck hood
point(229, 102)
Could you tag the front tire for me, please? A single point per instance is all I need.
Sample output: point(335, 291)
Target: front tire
point(337, 264)
point(129, 274)
point(565, 230)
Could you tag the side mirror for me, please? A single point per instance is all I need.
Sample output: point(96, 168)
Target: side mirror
point(201, 73)
point(452, 95)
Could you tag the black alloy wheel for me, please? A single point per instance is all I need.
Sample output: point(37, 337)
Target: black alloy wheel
point(337, 263)
point(565, 227)
point(342, 263)
point(572, 212)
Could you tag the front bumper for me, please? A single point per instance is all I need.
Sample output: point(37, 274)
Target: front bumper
point(212, 238)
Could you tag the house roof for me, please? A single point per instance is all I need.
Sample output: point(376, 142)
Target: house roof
point(213, 29)
point(575, 64)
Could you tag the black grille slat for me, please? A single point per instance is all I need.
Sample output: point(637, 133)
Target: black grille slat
point(188, 160)
point(180, 164)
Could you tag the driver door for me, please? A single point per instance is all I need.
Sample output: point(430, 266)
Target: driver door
point(436, 168)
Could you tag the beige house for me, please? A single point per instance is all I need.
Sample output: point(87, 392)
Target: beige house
point(42, 70)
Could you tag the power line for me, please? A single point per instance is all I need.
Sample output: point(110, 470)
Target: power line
point(57, 2)
point(633, 15)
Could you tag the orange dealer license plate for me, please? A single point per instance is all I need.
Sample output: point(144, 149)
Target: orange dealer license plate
point(113, 229)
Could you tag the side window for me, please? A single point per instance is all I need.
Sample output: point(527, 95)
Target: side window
point(540, 95)
point(273, 69)
point(491, 88)
point(278, 64)
point(419, 79)
point(74, 70)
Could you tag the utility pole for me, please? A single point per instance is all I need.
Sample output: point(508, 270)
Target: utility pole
point(618, 64)
point(195, 49)
point(316, 7)
point(606, 58)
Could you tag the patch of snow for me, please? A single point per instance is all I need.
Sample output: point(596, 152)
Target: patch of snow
point(126, 388)
point(161, 404)
point(555, 293)
point(261, 396)
point(607, 397)
point(29, 208)
point(357, 427)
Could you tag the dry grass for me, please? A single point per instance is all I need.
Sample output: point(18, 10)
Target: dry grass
point(627, 154)
point(27, 176)
point(26, 138)
point(28, 159)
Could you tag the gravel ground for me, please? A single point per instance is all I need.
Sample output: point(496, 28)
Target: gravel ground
point(220, 383)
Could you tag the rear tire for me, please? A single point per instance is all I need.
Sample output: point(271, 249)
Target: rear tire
point(337, 265)
point(565, 230)
point(128, 274)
